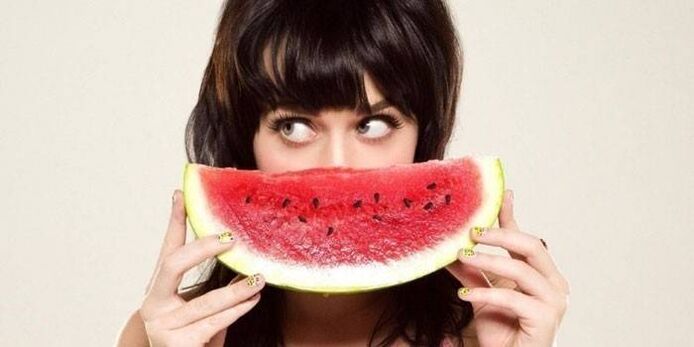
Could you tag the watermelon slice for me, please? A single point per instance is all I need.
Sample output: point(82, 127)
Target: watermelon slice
point(345, 230)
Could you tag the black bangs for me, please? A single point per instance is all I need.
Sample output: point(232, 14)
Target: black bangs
point(320, 51)
point(311, 55)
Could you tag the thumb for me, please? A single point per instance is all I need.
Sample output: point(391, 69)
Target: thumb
point(175, 236)
point(506, 217)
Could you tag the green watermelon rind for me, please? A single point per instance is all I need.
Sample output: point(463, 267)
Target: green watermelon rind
point(243, 261)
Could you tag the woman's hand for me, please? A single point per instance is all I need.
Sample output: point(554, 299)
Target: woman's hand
point(169, 319)
point(523, 298)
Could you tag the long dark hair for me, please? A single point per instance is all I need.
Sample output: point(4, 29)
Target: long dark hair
point(320, 50)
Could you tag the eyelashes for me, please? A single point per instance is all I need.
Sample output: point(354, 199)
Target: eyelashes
point(394, 122)
point(277, 123)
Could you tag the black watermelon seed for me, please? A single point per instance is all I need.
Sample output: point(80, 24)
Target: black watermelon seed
point(407, 202)
point(448, 199)
point(431, 186)
point(377, 217)
point(330, 230)
point(357, 204)
point(428, 206)
point(302, 219)
point(285, 203)
point(248, 199)
point(315, 202)
point(377, 197)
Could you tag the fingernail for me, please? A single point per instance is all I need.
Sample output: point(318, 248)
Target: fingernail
point(254, 280)
point(225, 237)
point(463, 292)
point(478, 231)
point(466, 252)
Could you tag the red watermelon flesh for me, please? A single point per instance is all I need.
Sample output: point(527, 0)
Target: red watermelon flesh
point(401, 221)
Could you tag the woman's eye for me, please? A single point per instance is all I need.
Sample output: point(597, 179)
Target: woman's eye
point(296, 131)
point(374, 128)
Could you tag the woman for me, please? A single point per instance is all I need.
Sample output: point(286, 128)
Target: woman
point(298, 84)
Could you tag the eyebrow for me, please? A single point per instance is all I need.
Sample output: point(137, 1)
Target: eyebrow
point(380, 105)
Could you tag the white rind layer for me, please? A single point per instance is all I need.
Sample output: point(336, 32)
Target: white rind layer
point(346, 278)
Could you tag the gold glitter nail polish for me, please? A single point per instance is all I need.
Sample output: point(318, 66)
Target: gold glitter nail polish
point(225, 237)
point(463, 292)
point(253, 281)
point(478, 231)
point(467, 252)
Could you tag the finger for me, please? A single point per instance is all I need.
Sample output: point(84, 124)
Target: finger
point(176, 232)
point(497, 281)
point(471, 276)
point(528, 279)
point(206, 328)
point(468, 276)
point(506, 217)
point(175, 235)
point(527, 247)
point(210, 303)
point(174, 265)
point(236, 278)
point(520, 304)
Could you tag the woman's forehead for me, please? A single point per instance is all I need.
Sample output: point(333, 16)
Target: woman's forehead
point(375, 107)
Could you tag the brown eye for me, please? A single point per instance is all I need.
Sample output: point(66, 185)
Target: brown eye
point(296, 131)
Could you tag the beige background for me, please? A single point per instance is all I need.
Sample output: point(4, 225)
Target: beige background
point(589, 104)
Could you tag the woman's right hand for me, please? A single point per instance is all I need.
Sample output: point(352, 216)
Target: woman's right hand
point(172, 321)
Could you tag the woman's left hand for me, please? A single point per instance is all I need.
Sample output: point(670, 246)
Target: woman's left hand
point(523, 298)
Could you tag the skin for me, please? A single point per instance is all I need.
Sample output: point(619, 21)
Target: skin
point(334, 138)
point(522, 307)
point(519, 300)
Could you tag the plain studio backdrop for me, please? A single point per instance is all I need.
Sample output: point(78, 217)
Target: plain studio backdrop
point(588, 103)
